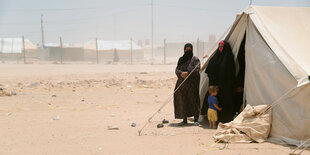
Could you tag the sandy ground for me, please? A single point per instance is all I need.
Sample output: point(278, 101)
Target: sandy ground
point(66, 109)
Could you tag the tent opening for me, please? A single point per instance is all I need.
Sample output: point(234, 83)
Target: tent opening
point(239, 81)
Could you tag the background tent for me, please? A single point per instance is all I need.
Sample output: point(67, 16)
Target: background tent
point(277, 67)
point(12, 48)
point(15, 45)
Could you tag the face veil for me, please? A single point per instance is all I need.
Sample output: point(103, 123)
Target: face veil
point(187, 54)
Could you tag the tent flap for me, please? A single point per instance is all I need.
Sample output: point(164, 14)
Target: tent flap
point(249, 126)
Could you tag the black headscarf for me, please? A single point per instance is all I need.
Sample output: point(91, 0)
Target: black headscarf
point(221, 66)
point(187, 55)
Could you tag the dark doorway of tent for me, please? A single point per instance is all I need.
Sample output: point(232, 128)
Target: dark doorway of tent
point(239, 80)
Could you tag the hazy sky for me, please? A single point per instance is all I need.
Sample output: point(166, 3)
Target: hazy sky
point(78, 21)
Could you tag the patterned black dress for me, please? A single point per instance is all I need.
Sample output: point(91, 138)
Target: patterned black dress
point(186, 98)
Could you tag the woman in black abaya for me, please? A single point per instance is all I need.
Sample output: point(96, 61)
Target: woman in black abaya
point(221, 72)
point(186, 98)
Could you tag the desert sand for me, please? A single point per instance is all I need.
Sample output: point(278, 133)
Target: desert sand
point(68, 109)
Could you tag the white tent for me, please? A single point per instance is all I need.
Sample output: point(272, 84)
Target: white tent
point(15, 45)
point(277, 58)
point(64, 45)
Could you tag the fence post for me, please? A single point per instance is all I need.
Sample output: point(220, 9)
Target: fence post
point(1, 56)
point(131, 50)
point(164, 51)
point(97, 55)
point(24, 50)
point(61, 51)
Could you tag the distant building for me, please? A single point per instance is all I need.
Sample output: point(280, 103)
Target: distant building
point(106, 50)
point(212, 38)
point(140, 43)
point(176, 49)
point(147, 42)
point(53, 51)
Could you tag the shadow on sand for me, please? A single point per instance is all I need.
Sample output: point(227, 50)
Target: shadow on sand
point(204, 124)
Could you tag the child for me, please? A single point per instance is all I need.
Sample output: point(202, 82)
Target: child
point(213, 106)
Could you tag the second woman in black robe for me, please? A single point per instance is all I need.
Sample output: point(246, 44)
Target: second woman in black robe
point(221, 72)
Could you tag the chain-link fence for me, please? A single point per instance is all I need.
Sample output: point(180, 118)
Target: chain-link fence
point(169, 52)
point(19, 50)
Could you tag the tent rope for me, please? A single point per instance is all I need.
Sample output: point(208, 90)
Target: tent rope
point(276, 102)
point(305, 147)
point(167, 101)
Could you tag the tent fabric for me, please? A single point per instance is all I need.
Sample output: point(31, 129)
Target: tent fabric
point(111, 45)
point(277, 67)
point(291, 120)
point(286, 38)
point(266, 77)
point(64, 45)
point(249, 126)
point(29, 45)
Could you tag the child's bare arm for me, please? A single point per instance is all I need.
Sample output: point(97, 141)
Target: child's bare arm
point(217, 107)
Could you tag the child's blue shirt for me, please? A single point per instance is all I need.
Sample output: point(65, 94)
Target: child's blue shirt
point(212, 100)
